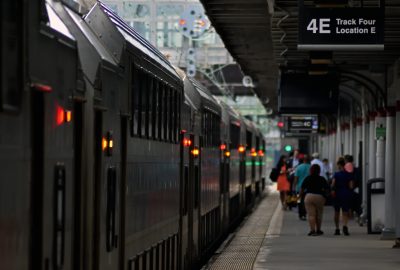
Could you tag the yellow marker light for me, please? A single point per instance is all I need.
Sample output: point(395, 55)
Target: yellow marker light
point(241, 149)
point(68, 116)
point(227, 153)
point(195, 152)
point(110, 144)
point(104, 144)
point(254, 154)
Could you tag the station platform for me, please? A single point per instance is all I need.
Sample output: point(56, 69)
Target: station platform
point(273, 239)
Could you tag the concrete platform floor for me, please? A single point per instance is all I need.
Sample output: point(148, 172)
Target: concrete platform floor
point(286, 244)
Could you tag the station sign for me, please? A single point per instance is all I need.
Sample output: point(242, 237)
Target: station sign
point(302, 123)
point(341, 29)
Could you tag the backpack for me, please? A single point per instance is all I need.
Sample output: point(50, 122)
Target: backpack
point(274, 174)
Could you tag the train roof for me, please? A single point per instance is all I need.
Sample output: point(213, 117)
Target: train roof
point(70, 23)
point(233, 115)
point(192, 96)
point(124, 31)
point(207, 99)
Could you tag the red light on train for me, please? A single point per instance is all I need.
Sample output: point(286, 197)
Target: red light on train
point(222, 147)
point(42, 87)
point(187, 142)
point(241, 149)
point(60, 115)
point(260, 153)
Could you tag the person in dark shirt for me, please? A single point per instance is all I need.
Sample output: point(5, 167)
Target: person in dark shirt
point(316, 188)
point(342, 186)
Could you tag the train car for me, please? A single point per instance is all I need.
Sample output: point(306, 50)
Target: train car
point(38, 82)
point(230, 165)
point(210, 211)
point(148, 215)
point(190, 174)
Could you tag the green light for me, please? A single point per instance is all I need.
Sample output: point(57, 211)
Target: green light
point(288, 148)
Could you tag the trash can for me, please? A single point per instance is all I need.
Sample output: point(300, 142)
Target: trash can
point(375, 205)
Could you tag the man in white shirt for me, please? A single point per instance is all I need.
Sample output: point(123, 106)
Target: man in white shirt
point(316, 160)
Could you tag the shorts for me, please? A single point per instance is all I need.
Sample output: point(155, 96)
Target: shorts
point(343, 203)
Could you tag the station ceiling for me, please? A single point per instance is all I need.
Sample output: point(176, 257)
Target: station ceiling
point(262, 37)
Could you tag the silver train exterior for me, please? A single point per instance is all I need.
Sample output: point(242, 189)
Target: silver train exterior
point(111, 159)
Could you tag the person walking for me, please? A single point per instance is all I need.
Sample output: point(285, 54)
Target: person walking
point(283, 182)
point(316, 188)
point(342, 186)
point(317, 161)
point(302, 171)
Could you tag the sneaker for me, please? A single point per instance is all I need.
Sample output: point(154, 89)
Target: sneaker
point(345, 230)
point(337, 232)
point(312, 233)
point(319, 232)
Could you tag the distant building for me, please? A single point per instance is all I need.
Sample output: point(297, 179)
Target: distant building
point(158, 21)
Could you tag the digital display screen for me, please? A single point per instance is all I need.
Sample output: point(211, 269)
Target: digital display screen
point(302, 123)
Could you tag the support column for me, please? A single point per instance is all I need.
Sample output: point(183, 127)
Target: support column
point(351, 138)
point(358, 139)
point(365, 165)
point(380, 122)
point(390, 207)
point(372, 147)
point(339, 136)
point(397, 172)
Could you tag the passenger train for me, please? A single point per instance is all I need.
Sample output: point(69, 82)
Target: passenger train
point(111, 158)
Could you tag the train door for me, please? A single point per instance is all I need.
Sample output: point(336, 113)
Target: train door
point(195, 176)
point(122, 190)
point(224, 184)
point(52, 186)
point(106, 192)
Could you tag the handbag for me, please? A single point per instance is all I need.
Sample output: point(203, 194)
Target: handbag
point(274, 174)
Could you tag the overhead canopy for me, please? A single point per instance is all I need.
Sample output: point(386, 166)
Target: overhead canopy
point(262, 35)
point(245, 28)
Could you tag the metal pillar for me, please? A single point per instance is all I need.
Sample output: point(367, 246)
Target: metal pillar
point(351, 137)
point(380, 121)
point(397, 170)
point(346, 139)
point(358, 139)
point(339, 136)
point(372, 147)
point(389, 232)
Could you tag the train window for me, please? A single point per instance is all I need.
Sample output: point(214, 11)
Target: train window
point(160, 110)
point(178, 117)
point(150, 105)
point(249, 139)
point(154, 112)
point(171, 115)
point(144, 98)
point(175, 133)
point(165, 115)
point(235, 136)
point(11, 54)
point(257, 143)
point(136, 104)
